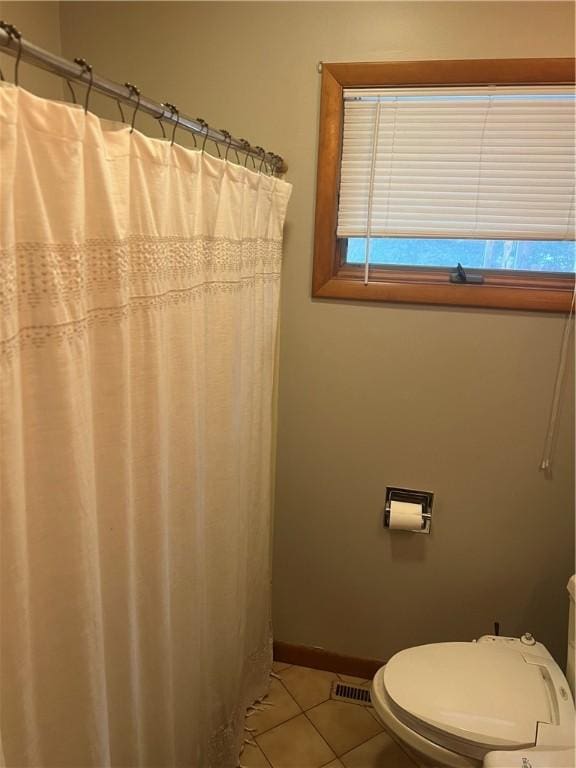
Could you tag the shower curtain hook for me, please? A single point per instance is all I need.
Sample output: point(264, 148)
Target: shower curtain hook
point(134, 91)
point(14, 34)
point(2, 26)
point(122, 117)
point(245, 148)
point(204, 125)
point(228, 138)
point(175, 111)
point(85, 67)
point(160, 123)
point(69, 84)
point(176, 124)
point(18, 55)
point(193, 134)
point(262, 154)
point(270, 162)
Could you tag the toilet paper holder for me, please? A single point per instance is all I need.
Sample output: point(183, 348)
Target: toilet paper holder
point(423, 498)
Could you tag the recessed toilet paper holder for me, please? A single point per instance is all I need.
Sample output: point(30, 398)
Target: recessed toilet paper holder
point(423, 498)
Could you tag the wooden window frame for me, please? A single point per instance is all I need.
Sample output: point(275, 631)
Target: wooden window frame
point(333, 278)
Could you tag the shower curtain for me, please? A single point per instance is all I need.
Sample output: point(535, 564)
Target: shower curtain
point(139, 285)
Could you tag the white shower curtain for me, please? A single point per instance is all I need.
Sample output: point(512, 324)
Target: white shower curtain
point(139, 285)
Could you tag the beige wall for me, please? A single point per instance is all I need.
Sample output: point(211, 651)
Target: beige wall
point(39, 22)
point(449, 400)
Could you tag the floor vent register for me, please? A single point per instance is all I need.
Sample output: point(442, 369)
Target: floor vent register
point(354, 694)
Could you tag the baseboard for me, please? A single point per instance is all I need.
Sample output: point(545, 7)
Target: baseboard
point(318, 658)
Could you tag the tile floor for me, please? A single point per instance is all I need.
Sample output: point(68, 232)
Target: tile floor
point(307, 729)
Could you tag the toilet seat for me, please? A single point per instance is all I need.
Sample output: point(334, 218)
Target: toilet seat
point(472, 697)
point(425, 751)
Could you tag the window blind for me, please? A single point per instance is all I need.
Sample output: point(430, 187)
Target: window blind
point(489, 163)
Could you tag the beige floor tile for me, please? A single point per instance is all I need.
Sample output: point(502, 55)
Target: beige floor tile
point(379, 752)
point(308, 686)
point(391, 735)
point(253, 757)
point(375, 716)
point(284, 708)
point(334, 764)
point(295, 744)
point(279, 666)
point(353, 680)
point(344, 726)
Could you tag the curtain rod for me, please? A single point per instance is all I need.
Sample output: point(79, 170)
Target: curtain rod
point(12, 43)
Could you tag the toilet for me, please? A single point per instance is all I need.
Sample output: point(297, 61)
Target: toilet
point(498, 702)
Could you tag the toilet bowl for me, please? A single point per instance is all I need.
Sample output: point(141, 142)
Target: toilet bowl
point(499, 702)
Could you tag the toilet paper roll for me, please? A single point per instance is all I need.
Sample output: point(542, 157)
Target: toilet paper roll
point(405, 516)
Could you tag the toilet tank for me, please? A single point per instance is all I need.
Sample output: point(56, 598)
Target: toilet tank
point(570, 661)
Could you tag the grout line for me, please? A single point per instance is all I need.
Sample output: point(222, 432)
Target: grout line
point(284, 668)
point(374, 715)
point(360, 745)
point(300, 712)
point(331, 748)
point(316, 705)
point(382, 730)
point(257, 735)
point(301, 707)
point(261, 751)
point(398, 743)
point(305, 713)
point(282, 683)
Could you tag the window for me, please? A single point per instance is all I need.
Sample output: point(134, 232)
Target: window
point(447, 182)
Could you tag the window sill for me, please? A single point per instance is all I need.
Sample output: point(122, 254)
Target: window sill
point(433, 287)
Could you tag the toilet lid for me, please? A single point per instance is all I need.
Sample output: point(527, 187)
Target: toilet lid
point(476, 693)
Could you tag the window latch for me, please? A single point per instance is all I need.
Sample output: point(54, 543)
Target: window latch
point(460, 276)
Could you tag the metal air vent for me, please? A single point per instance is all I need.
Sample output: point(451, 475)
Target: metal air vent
point(354, 694)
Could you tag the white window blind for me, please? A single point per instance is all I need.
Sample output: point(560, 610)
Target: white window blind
point(483, 163)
